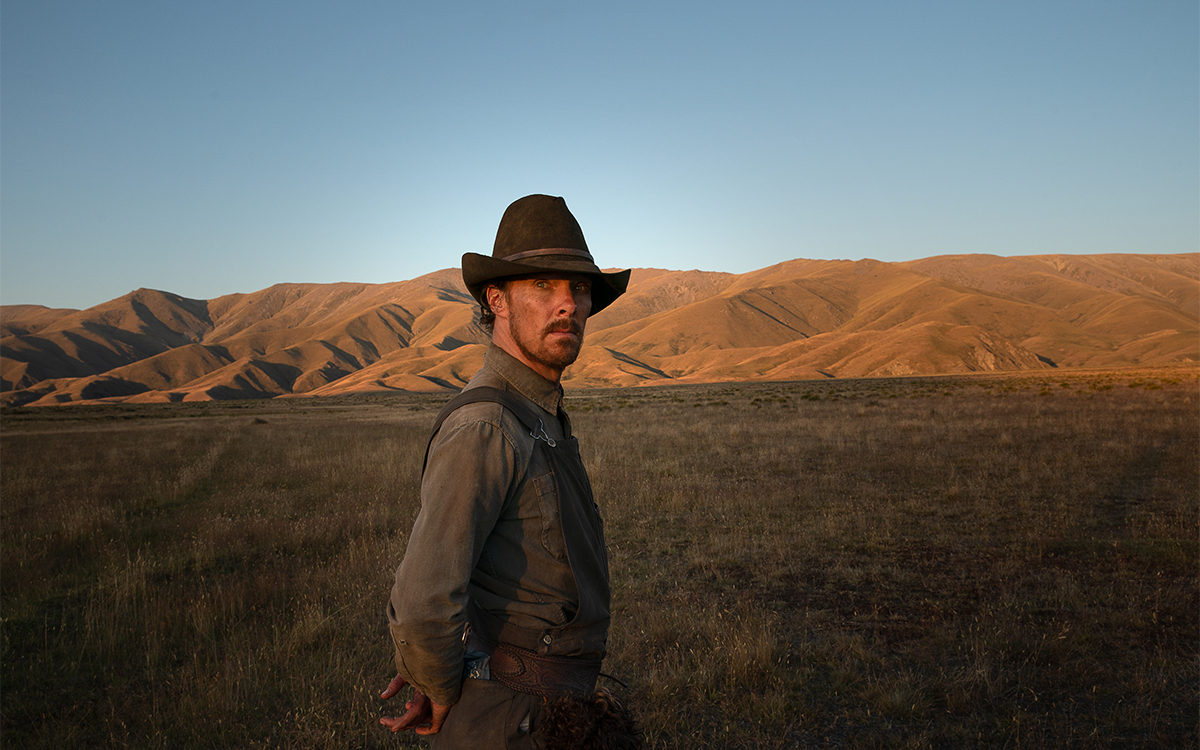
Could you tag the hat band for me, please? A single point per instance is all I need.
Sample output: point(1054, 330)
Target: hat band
point(548, 251)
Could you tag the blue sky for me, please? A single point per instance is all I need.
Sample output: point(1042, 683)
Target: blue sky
point(218, 147)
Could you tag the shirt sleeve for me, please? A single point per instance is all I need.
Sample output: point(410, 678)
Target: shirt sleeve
point(471, 469)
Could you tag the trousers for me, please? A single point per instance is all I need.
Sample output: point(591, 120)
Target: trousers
point(490, 716)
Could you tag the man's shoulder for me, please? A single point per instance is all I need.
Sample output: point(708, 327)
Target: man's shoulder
point(488, 407)
point(485, 412)
point(476, 429)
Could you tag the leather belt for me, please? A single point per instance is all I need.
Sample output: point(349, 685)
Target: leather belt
point(528, 672)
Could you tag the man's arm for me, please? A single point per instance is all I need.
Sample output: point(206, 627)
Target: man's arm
point(472, 466)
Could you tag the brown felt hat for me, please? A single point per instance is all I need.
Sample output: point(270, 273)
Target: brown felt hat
point(538, 233)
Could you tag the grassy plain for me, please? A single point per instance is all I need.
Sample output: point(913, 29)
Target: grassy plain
point(969, 561)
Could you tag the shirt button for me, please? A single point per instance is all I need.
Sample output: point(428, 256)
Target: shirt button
point(546, 639)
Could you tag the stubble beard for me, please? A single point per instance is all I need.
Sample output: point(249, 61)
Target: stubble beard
point(537, 348)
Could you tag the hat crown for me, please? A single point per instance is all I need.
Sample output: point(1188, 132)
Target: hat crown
point(538, 222)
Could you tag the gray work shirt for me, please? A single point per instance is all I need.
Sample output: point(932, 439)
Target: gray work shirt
point(488, 531)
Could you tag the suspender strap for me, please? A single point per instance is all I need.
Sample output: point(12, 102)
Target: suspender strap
point(484, 393)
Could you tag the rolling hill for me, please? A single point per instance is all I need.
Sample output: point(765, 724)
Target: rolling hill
point(795, 320)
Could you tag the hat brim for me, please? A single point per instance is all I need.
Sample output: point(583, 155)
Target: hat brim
point(478, 270)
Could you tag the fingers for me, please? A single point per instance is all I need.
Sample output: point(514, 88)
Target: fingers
point(393, 687)
point(393, 724)
point(421, 714)
point(437, 717)
point(411, 718)
point(418, 713)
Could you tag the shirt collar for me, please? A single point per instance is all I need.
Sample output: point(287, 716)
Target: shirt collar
point(523, 380)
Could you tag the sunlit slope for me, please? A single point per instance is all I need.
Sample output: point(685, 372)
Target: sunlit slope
point(289, 338)
point(24, 319)
point(844, 319)
point(800, 319)
point(1121, 309)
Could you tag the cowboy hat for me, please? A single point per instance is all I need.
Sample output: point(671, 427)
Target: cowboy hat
point(537, 234)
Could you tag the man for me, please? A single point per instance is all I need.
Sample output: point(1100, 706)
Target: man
point(501, 604)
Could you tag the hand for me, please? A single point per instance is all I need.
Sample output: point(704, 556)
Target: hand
point(421, 714)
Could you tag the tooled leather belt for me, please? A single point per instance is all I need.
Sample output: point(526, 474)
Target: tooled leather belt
point(528, 672)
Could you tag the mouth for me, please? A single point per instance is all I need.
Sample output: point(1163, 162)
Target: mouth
point(565, 328)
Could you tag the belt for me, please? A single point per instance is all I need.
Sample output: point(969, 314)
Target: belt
point(528, 672)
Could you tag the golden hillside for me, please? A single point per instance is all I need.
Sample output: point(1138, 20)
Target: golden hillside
point(795, 320)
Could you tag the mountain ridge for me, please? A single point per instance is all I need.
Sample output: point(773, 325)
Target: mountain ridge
point(797, 319)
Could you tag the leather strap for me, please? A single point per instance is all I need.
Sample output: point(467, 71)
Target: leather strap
point(527, 672)
point(549, 251)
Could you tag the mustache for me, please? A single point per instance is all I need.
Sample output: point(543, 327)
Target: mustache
point(565, 324)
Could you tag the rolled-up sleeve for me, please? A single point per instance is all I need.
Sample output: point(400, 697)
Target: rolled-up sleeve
point(472, 468)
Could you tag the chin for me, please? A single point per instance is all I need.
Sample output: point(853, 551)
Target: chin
point(562, 361)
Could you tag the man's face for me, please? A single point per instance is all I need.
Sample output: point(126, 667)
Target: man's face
point(545, 316)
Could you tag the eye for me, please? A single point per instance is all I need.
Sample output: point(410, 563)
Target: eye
point(541, 283)
point(583, 286)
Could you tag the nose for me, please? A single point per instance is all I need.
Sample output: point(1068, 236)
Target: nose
point(564, 300)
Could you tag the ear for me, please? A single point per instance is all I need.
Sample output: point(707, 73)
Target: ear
point(495, 298)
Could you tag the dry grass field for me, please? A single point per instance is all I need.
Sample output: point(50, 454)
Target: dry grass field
point(967, 561)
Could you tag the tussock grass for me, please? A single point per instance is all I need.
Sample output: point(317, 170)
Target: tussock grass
point(932, 562)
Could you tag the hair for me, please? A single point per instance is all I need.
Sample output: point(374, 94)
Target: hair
point(487, 318)
point(597, 721)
